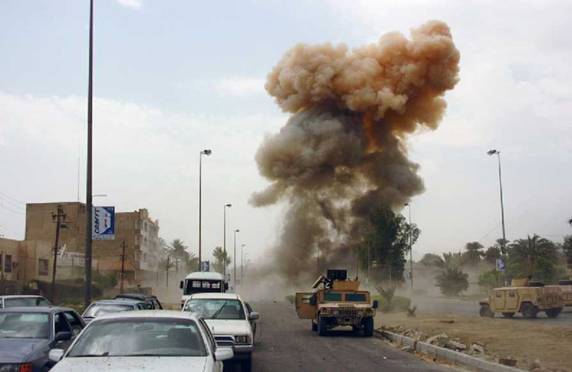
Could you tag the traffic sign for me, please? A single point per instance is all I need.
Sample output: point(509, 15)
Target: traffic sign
point(103, 223)
point(500, 265)
point(205, 266)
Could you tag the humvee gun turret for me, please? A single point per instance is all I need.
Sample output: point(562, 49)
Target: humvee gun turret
point(337, 301)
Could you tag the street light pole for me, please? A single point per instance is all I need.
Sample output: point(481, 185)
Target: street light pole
point(204, 152)
point(88, 193)
point(234, 257)
point(497, 153)
point(228, 205)
point(408, 205)
point(241, 263)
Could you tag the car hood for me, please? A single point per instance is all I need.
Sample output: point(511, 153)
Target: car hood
point(124, 364)
point(229, 327)
point(15, 350)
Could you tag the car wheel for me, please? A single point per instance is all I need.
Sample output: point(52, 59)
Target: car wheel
point(529, 311)
point(322, 329)
point(508, 315)
point(553, 313)
point(486, 312)
point(368, 327)
point(314, 326)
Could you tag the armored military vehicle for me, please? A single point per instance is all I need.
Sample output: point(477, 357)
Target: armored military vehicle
point(337, 301)
point(527, 298)
point(566, 287)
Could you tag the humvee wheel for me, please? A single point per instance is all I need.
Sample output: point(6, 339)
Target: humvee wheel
point(553, 313)
point(314, 326)
point(368, 327)
point(529, 311)
point(322, 329)
point(508, 315)
point(485, 311)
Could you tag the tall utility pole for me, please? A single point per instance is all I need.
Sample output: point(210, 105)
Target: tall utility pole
point(204, 152)
point(123, 246)
point(234, 257)
point(167, 272)
point(241, 262)
point(88, 193)
point(408, 205)
point(227, 205)
point(58, 217)
point(497, 153)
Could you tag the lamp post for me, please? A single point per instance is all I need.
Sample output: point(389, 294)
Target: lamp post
point(408, 205)
point(241, 263)
point(228, 205)
point(204, 152)
point(234, 257)
point(497, 153)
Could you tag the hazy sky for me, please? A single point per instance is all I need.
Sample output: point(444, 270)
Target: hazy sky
point(173, 77)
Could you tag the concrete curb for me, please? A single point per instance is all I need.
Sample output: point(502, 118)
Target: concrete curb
point(446, 354)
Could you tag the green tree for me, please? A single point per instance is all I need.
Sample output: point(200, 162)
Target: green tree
point(453, 260)
point(491, 255)
point(452, 281)
point(432, 260)
point(473, 254)
point(536, 256)
point(567, 249)
point(219, 256)
point(183, 259)
point(388, 240)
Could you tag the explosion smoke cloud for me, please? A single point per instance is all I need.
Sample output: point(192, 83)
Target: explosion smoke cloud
point(342, 151)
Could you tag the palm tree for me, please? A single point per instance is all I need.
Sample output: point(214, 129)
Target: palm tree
point(220, 258)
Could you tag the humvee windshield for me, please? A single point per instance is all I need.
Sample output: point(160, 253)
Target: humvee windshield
point(332, 296)
point(356, 297)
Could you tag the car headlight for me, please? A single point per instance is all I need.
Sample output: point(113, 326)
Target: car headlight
point(243, 339)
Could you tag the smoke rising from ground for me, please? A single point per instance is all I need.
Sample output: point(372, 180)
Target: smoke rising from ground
point(342, 152)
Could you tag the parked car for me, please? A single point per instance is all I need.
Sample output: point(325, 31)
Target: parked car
point(23, 301)
point(151, 300)
point(229, 319)
point(101, 307)
point(151, 340)
point(27, 334)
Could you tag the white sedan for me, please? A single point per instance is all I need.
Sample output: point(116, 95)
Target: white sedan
point(151, 340)
point(230, 321)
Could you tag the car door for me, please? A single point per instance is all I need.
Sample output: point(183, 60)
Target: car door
point(215, 365)
point(304, 306)
point(252, 322)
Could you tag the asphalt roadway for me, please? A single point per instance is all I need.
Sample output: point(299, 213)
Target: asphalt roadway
point(286, 343)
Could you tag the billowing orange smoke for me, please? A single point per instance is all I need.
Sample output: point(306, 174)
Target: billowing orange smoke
point(342, 153)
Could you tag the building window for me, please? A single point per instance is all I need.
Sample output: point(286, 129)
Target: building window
point(43, 266)
point(8, 263)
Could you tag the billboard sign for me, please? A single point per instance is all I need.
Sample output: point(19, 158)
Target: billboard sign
point(103, 223)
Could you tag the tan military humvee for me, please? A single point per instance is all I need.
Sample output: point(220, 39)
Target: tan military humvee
point(523, 298)
point(566, 288)
point(337, 301)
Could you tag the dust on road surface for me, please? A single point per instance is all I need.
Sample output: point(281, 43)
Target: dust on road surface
point(286, 343)
point(527, 340)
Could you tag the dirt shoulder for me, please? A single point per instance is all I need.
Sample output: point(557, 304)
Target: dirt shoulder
point(524, 340)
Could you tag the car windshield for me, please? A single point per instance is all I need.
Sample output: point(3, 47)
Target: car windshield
point(216, 308)
point(25, 302)
point(96, 310)
point(24, 325)
point(140, 337)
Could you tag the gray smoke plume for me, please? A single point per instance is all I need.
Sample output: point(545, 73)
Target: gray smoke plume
point(342, 151)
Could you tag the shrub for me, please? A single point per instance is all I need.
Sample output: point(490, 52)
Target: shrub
point(452, 281)
point(490, 279)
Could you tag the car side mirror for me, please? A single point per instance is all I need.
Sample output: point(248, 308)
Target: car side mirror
point(223, 353)
point(181, 284)
point(375, 304)
point(253, 316)
point(55, 355)
point(63, 336)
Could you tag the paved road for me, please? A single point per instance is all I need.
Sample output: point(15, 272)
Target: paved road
point(285, 343)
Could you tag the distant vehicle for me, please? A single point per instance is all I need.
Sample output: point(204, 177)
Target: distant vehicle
point(337, 301)
point(150, 340)
point(23, 301)
point(523, 297)
point(229, 320)
point(103, 307)
point(152, 301)
point(27, 334)
point(566, 288)
point(201, 282)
